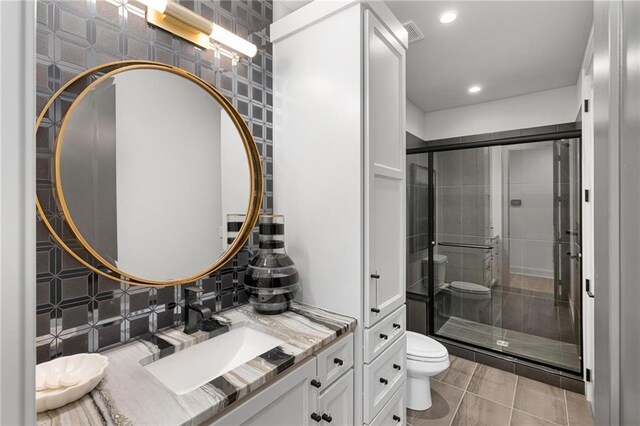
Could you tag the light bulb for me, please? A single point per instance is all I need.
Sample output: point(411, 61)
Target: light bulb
point(231, 40)
point(448, 17)
point(475, 89)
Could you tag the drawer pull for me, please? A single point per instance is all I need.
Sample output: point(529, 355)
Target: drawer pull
point(316, 417)
point(397, 326)
point(338, 361)
point(397, 367)
point(384, 381)
point(375, 310)
point(315, 383)
point(375, 276)
point(384, 336)
point(327, 418)
point(397, 418)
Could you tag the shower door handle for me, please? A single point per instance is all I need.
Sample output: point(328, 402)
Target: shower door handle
point(574, 256)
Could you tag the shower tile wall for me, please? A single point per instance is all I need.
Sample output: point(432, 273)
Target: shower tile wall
point(77, 310)
point(463, 210)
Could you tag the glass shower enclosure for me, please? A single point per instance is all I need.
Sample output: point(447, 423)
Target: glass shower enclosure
point(493, 248)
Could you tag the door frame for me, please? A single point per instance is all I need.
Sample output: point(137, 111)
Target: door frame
point(17, 212)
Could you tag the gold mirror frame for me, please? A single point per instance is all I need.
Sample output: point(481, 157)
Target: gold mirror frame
point(253, 157)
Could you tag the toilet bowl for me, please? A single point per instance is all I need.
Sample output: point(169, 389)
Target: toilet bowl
point(425, 358)
point(470, 301)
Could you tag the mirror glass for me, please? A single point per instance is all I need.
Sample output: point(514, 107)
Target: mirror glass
point(149, 164)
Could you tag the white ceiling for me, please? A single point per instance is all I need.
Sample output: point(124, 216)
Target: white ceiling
point(509, 48)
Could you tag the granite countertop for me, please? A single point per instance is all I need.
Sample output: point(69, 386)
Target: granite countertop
point(130, 395)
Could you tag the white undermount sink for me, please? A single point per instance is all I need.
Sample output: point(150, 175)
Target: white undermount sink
point(191, 368)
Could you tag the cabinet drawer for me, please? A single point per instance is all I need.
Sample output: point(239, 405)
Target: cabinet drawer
point(334, 361)
point(335, 404)
point(383, 377)
point(394, 412)
point(383, 334)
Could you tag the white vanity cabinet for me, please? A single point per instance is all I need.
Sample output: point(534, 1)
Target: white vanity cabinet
point(289, 401)
point(339, 177)
point(384, 180)
point(305, 396)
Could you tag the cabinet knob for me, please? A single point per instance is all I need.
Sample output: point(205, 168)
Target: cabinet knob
point(397, 418)
point(327, 418)
point(397, 326)
point(316, 417)
point(375, 276)
point(384, 336)
point(397, 367)
point(384, 381)
point(375, 310)
point(338, 361)
point(315, 383)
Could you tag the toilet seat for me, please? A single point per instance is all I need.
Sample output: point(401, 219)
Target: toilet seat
point(424, 349)
point(467, 287)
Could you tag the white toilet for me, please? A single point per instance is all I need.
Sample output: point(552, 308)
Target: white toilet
point(426, 357)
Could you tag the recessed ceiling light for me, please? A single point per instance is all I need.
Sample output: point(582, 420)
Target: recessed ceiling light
point(475, 89)
point(448, 17)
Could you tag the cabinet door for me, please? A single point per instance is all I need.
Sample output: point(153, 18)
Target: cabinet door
point(289, 401)
point(384, 171)
point(336, 403)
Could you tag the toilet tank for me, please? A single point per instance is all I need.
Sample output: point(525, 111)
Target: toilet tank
point(439, 269)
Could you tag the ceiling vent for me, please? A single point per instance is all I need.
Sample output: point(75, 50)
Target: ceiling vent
point(414, 32)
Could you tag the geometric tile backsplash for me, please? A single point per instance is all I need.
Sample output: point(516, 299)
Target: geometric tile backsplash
point(78, 310)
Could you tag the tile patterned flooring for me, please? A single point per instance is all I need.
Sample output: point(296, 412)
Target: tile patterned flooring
point(469, 393)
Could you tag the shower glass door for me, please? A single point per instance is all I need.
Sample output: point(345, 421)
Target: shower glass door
point(500, 265)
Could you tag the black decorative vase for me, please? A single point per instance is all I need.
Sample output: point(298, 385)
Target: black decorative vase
point(271, 279)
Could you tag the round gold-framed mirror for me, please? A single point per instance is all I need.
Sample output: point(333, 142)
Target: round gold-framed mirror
point(137, 128)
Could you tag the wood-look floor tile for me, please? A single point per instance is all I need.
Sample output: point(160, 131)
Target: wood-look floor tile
point(445, 400)
point(458, 374)
point(541, 400)
point(493, 384)
point(579, 410)
point(477, 411)
point(520, 418)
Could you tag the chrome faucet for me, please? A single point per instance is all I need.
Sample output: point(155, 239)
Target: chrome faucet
point(193, 320)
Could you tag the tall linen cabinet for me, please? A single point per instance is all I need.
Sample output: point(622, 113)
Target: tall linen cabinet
point(339, 177)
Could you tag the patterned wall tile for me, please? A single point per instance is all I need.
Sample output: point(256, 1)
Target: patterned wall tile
point(81, 311)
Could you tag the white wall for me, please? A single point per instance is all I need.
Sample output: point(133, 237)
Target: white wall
point(234, 173)
point(532, 110)
point(155, 175)
point(415, 119)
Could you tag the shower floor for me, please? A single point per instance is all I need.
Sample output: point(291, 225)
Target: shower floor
point(537, 348)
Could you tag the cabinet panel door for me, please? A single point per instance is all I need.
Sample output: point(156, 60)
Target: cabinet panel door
point(336, 403)
point(288, 402)
point(385, 171)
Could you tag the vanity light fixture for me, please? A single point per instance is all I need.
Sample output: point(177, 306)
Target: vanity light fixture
point(475, 89)
point(178, 20)
point(448, 17)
